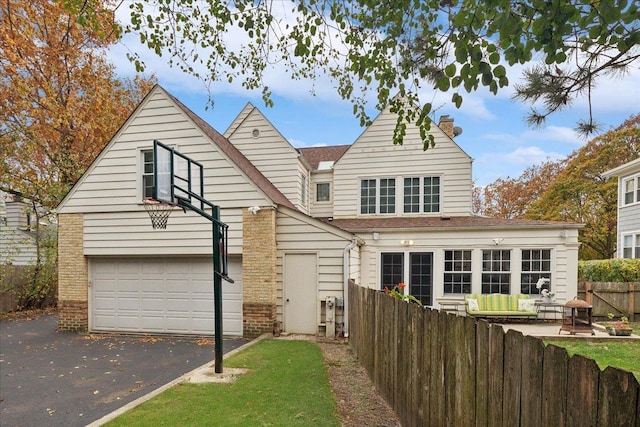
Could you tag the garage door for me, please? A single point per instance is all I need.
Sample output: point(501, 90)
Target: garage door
point(162, 295)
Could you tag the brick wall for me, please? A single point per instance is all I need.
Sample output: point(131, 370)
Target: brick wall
point(72, 274)
point(257, 319)
point(73, 316)
point(258, 271)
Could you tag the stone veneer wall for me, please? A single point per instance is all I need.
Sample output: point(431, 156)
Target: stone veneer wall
point(73, 279)
point(258, 272)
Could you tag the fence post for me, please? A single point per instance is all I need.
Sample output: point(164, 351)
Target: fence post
point(587, 293)
point(632, 302)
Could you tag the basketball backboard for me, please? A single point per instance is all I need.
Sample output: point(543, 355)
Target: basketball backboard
point(176, 177)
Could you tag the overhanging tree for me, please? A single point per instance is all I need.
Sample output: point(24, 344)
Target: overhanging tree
point(60, 100)
point(60, 103)
point(400, 47)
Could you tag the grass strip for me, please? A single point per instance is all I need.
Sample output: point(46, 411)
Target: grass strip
point(287, 384)
point(622, 355)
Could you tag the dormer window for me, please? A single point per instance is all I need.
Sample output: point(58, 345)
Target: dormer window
point(323, 192)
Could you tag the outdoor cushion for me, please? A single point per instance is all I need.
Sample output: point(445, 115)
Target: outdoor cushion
point(526, 304)
point(499, 305)
point(473, 304)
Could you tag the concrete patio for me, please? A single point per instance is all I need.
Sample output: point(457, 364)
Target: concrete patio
point(550, 329)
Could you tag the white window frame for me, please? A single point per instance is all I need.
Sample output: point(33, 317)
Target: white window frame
point(537, 273)
point(421, 194)
point(455, 263)
point(630, 187)
point(328, 184)
point(495, 266)
point(303, 190)
point(633, 250)
point(378, 197)
point(143, 174)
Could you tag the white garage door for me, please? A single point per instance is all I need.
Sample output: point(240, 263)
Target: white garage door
point(162, 295)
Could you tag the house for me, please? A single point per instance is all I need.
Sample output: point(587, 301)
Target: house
point(17, 238)
point(628, 176)
point(302, 222)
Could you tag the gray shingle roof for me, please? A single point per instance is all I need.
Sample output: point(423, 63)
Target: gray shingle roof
point(237, 157)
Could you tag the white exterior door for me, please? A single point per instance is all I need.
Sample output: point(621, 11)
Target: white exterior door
point(162, 295)
point(301, 293)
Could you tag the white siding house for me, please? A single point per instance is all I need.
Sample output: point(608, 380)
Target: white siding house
point(302, 222)
point(628, 176)
point(18, 228)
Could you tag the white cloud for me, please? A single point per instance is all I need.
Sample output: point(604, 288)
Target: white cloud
point(549, 134)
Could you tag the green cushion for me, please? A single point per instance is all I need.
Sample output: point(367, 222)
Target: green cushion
point(497, 302)
point(502, 313)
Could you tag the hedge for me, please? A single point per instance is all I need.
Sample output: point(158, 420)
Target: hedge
point(609, 270)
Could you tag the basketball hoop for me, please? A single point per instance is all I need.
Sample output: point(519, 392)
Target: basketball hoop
point(158, 212)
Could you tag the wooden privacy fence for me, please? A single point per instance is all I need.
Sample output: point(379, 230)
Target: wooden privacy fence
point(438, 369)
point(619, 298)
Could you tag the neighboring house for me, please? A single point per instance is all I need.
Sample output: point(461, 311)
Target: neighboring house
point(628, 208)
point(17, 239)
point(370, 211)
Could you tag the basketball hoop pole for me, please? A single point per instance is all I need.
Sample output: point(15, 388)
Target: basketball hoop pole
point(182, 185)
point(217, 289)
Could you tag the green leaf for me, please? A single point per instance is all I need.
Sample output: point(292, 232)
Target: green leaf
point(499, 71)
point(457, 100)
point(450, 70)
point(443, 84)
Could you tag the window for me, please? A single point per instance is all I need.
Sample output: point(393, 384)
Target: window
point(147, 174)
point(432, 194)
point(323, 192)
point(631, 246)
point(628, 191)
point(411, 195)
point(496, 271)
point(378, 196)
point(387, 195)
point(457, 272)
point(420, 276)
point(536, 263)
point(631, 188)
point(303, 190)
point(422, 194)
point(368, 196)
point(392, 269)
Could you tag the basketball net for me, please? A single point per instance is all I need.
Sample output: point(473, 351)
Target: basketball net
point(158, 212)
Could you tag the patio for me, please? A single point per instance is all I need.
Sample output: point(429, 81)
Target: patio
point(550, 329)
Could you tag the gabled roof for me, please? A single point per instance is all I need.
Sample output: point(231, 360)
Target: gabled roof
point(216, 138)
point(448, 223)
point(622, 170)
point(315, 155)
point(236, 157)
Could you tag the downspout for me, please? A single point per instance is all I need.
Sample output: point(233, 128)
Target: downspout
point(345, 285)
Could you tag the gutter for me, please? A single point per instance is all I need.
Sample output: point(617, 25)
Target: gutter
point(345, 284)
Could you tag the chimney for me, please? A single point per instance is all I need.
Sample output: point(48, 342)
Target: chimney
point(446, 125)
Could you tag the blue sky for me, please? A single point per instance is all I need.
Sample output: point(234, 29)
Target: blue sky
point(494, 132)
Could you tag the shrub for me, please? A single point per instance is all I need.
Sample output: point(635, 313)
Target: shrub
point(609, 270)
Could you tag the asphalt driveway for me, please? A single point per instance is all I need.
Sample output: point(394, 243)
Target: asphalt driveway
point(67, 379)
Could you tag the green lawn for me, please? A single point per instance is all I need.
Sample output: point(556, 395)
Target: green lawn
point(619, 354)
point(287, 385)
